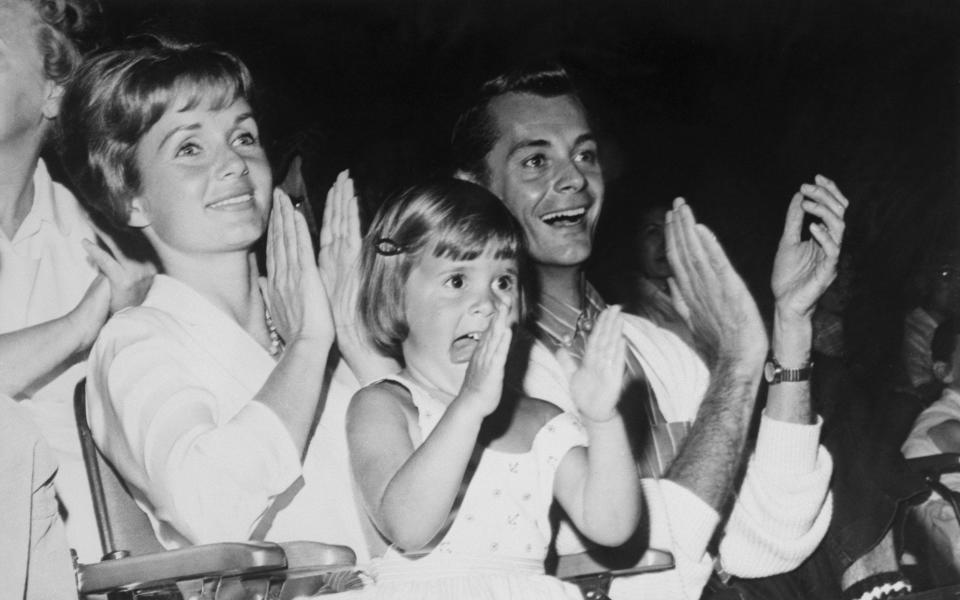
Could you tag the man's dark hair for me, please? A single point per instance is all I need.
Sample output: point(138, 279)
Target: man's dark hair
point(474, 133)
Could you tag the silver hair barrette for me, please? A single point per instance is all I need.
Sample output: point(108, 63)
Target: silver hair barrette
point(388, 247)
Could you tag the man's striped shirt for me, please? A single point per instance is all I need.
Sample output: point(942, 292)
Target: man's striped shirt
point(656, 442)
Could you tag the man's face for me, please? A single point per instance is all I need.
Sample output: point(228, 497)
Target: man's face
point(545, 169)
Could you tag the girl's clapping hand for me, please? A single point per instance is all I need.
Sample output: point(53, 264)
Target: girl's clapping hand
point(597, 383)
point(483, 383)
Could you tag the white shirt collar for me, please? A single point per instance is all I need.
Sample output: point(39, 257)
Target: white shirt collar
point(45, 208)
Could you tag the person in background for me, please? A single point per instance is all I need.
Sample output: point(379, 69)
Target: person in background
point(34, 556)
point(940, 300)
point(828, 330)
point(643, 287)
point(935, 431)
point(60, 278)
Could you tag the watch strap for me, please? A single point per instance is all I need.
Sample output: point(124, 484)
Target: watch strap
point(801, 374)
point(775, 373)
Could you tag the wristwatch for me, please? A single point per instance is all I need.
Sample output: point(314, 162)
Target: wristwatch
point(774, 373)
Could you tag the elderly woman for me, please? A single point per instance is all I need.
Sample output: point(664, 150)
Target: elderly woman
point(58, 286)
point(206, 397)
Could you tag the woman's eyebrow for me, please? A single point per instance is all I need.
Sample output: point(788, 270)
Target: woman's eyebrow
point(175, 130)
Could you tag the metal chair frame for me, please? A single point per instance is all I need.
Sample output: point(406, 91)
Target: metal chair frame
point(135, 564)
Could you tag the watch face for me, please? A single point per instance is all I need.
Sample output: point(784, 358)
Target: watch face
point(770, 371)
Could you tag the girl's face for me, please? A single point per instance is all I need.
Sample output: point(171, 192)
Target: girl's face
point(449, 304)
point(205, 180)
point(27, 101)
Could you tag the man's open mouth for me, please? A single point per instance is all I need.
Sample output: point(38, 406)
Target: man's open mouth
point(563, 218)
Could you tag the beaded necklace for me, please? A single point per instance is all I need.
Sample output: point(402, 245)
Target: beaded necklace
point(276, 342)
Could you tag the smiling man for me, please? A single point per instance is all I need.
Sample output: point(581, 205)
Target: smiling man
point(536, 152)
point(527, 138)
point(544, 166)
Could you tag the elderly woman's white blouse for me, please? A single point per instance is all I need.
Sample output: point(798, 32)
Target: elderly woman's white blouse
point(44, 272)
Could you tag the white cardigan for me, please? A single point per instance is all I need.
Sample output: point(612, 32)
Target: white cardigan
point(783, 507)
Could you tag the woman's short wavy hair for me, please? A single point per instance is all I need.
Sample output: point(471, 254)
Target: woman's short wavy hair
point(452, 219)
point(118, 95)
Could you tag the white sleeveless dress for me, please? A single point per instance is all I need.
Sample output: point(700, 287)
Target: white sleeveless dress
point(497, 542)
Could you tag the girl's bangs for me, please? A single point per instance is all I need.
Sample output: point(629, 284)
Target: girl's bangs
point(466, 242)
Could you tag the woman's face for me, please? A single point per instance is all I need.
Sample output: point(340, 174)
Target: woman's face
point(205, 180)
point(25, 93)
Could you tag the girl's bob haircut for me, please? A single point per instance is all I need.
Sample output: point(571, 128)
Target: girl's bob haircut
point(450, 218)
point(118, 95)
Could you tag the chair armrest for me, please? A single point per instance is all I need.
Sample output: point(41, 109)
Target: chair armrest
point(171, 566)
point(935, 464)
point(315, 555)
point(652, 560)
point(572, 566)
point(594, 580)
point(315, 569)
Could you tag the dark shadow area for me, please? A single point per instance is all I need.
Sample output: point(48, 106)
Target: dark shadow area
point(729, 105)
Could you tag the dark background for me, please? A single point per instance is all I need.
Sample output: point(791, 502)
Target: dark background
point(730, 104)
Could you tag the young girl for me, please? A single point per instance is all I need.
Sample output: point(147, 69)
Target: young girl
point(457, 468)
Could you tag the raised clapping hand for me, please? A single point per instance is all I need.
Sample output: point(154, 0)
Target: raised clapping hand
point(122, 282)
point(483, 383)
point(710, 295)
point(339, 256)
point(293, 291)
point(803, 270)
point(129, 279)
point(597, 383)
point(339, 263)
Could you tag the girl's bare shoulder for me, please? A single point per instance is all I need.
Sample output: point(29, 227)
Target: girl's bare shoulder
point(381, 400)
